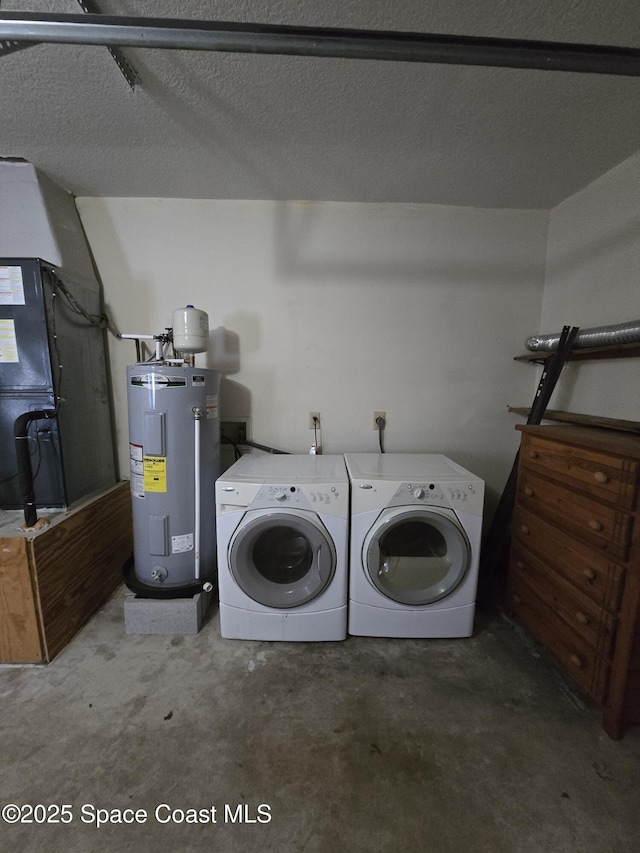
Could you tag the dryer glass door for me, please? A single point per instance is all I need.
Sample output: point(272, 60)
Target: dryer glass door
point(416, 556)
point(282, 558)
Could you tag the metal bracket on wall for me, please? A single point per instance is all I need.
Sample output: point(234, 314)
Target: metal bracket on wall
point(129, 73)
point(91, 7)
point(7, 47)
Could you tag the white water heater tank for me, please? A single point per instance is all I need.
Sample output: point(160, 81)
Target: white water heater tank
point(190, 330)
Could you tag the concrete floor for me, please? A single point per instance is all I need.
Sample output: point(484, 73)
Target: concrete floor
point(445, 746)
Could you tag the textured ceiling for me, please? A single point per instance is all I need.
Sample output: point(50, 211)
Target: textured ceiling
point(214, 125)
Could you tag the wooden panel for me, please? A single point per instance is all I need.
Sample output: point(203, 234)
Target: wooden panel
point(592, 623)
point(635, 653)
point(589, 670)
point(591, 438)
point(605, 477)
point(578, 418)
point(591, 571)
point(631, 705)
point(594, 522)
point(19, 634)
point(79, 564)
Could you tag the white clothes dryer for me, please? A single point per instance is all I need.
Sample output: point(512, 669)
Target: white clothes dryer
point(282, 529)
point(416, 524)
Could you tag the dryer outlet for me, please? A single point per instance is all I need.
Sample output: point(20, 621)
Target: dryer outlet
point(314, 424)
point(236, 429)
point(377, 415)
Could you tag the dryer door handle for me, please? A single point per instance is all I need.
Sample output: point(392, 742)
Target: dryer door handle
point(317, 564)
point(372, 558)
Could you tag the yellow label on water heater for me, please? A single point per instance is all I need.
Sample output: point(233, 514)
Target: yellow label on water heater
point(155, 473)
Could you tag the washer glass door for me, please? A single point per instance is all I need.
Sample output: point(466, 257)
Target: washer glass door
point(416, 556)
point(282, 558)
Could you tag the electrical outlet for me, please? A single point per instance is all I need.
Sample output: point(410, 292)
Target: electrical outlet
point(377, 415)
point(235, 429)
point(312, 424)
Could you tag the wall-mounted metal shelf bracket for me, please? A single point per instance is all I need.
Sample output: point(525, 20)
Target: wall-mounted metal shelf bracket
point(90, 7)
point(129, 73)
point(7, 46)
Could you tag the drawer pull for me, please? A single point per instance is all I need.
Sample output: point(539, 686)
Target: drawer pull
point(594, 524)
point(589, 574)
point(600, 477)
point(576, 661)
point(582, 618)
point(528, 491)
point(524, 529)
point(533, 454)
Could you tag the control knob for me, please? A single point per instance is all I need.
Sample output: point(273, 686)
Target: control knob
point(419, 492)
point(280, 496)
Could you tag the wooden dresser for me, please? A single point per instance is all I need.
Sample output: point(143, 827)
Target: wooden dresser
point(574, 570)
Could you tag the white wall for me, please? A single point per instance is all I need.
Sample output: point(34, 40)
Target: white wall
point(593, 280)
point(338, 308)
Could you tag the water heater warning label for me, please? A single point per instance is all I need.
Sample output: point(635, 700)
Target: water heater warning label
point(155, 473)
point(136, 471)
point(212, 406)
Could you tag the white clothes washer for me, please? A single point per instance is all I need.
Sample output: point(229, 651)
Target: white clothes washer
point(282, 530)
point(416, 524)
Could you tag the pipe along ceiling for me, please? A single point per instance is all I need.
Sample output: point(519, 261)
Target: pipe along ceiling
point(20, 30)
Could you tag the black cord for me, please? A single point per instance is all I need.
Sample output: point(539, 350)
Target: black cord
point(35, 446)
point(57, 385)
point(100, 320)
point(39, 449)
point(246, 443)
point(381, 425)
point(226, 440)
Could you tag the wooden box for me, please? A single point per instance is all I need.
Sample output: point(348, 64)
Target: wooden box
point(53, 579)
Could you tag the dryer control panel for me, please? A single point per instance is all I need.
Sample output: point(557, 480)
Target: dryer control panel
point(280, 495)
point(314, 497)
point(458, 495)
point(408, 494)
point(330, 498)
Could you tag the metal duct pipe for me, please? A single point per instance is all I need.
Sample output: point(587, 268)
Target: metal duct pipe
point(117, 31)
point(600, 336)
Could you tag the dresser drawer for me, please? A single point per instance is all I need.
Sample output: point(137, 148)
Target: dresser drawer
point(589, 670)
point(608, 478)
point(591, 521)
point(581, 614)
point(591, 571)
